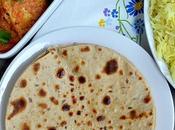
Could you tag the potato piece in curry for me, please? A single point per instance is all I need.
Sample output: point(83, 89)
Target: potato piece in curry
point(16, 18)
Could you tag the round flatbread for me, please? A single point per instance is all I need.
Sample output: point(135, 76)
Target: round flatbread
point(81, 87)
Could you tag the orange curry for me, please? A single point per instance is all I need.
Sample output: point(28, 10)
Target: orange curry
point(16, 18)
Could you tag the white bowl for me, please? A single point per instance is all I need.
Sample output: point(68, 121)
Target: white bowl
point(32, 31)
point(160, 90)
point(160, 62)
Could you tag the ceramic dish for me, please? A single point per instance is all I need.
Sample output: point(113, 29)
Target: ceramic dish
point(162, 65)
point(158, 85)
point(32, 31)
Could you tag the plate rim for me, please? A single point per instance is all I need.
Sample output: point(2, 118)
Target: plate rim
point(90, 29)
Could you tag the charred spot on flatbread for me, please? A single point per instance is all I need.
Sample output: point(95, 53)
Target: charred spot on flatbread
point(19, 106)
point(76, 69)
point(72, 89)
point(94, 111)
point(57, 87)
point(100, 118)
point(82, 62)
point(39, 126)
point(85, 49)
point(54, 100)
point(123, 117)
point(65, 52)
point(66, 107)
point(43, 105)
point(97, 77)
point(71, 84)
point(71, 113)
point(52, 128)
point(42, 93)
point(78, 112)
point(121, 127)
point(74, 100)
point(106, 100)
point(63, 123)
point(81, 98)
point(127, 81)
point(99, 49)
point(36, 68)
point(133, 114)
point(111, 66)
point(71, 78)
point(60, 73)
point(81, 79)
point(25, 126)
point(147, 99)
point(89, 123)
point(130, 73)
point(140, 78)
point(150, 124)
point(121, 72)
point(23, 83)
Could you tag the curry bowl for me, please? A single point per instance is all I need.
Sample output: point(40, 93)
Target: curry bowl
point(29, 33)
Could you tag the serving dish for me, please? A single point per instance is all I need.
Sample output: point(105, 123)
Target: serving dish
point(158, 85)
point(32, 31)
point(160, 62)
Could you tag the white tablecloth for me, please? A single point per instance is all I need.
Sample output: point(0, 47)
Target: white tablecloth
point(123, 16)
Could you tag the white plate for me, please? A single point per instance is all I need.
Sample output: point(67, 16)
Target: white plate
point(32, 31)
point(159, 87)
point(160, 62)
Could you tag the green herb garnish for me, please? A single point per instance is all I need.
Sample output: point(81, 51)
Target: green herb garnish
point(4, 36)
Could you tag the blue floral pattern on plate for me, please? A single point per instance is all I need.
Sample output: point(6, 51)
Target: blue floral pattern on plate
point(126, 17)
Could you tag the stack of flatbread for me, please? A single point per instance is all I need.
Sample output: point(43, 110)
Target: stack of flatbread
point(81, 87)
